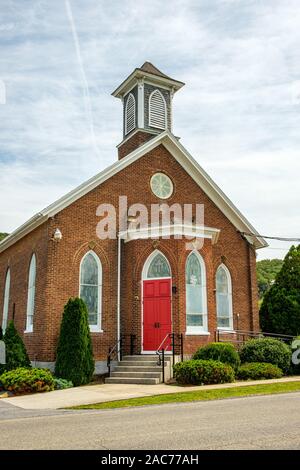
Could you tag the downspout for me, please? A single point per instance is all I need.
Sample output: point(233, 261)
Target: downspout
point(119, 294)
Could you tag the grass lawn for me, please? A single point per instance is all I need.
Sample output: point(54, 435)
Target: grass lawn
point(198, 395)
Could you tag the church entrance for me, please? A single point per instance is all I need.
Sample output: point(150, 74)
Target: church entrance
point(157, 302)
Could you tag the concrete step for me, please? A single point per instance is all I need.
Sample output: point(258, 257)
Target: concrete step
point(133, 374)
point(144, 358)
point(139, 363)
point(135, 380)
point(122, 368)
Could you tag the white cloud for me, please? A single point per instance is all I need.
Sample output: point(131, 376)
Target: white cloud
point(238, 114)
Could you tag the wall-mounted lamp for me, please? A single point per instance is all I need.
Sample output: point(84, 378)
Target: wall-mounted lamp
point(57, 236)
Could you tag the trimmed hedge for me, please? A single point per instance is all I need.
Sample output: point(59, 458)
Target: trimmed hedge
point(268, 350)
point(16, 354)
point(24, 380)
point(258, 371)
point(203, 372)
point(223, 352)
point(74, 359)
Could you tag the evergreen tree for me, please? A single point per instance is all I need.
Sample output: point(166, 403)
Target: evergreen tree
point(74, 358)
point(280, 310)
point(16, 354)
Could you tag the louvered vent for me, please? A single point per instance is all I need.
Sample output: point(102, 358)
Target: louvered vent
point(130, 114)
point(157, 110)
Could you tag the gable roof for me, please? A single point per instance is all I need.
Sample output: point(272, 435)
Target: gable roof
point(178, 151)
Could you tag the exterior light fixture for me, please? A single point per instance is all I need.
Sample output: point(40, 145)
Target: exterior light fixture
point(57, 235)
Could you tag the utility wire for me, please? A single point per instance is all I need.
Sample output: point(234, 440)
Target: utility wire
point(282, 239)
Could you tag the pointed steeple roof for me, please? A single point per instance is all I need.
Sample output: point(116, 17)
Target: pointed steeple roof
point(151, 73)
point(150, 68)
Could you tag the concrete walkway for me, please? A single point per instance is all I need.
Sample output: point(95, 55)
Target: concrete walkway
point(107, 392)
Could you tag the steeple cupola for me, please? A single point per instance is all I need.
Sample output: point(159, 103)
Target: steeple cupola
point(147, 96)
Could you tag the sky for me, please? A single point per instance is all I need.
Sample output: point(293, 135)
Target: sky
point(238, 115)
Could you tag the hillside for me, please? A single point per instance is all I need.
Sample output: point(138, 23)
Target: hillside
point(267, 270)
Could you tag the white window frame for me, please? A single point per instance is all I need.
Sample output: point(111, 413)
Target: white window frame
point(148, 263)
point(31, 294)
point(94, 328)
point(229, 284)
point(151, 124)
point(127, 131)
point(6, 300)
point(198, 330)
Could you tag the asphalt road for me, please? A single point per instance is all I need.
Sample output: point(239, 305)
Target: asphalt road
point(266, 422)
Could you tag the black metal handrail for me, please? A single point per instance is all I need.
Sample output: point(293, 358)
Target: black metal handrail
point(243, 335)
point(161, 351)
point(117, 350)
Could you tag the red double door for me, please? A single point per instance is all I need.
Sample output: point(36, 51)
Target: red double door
point(157, 318)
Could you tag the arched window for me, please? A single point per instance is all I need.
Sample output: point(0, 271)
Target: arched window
point(157, 110)
point(6, 301)
point(224, 298)
point(91, 288)
point(31, 294)
point(156, 266)
point(196, 303)
point(130, 114)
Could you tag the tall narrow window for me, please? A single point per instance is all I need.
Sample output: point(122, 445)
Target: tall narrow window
point(157, 110)
point(130, 114)
point(224, 298)
point(196, 305)
point(31, 294)
point(6, 301)
point(91, 288)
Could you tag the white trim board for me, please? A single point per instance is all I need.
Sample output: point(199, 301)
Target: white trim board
point(180, 154)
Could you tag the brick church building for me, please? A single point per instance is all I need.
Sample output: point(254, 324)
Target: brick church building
point(147, 280)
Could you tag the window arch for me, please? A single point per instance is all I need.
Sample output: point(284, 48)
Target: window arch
point(31, 294)
point(90, 288)
point(156, 266)
point(196, 302)
point(130, 114)
point(157, 110)
point(224, 298)
point(6, 301)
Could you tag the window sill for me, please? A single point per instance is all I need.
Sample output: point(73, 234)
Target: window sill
point(28, 331)
point(230, 331)
point(197, 333)
point(96, 330)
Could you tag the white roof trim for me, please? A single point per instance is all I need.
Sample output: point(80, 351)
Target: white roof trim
point(194, 231)
point(183, 157)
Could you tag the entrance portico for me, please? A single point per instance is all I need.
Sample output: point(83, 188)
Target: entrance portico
point(152, 296)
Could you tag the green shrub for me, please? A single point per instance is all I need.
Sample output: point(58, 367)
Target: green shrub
point(268, 350)
point(223, 352)
point(74, 359)
point(61, 384)
point(202, 372)
point(23, 380)
point(259, 370)
point(16, 355)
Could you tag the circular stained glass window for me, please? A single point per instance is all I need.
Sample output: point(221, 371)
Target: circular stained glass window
point(161, 185)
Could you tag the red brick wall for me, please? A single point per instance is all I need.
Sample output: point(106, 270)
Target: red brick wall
point(78, 226)
point(18, 258)
point(133, 143)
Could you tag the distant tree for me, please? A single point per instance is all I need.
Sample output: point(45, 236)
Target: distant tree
point(16, 354)
point(74, 358)
point(267, 269)
point(280, 309)
point(3, 235)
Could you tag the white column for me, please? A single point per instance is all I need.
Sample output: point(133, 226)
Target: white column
point(141, 113)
